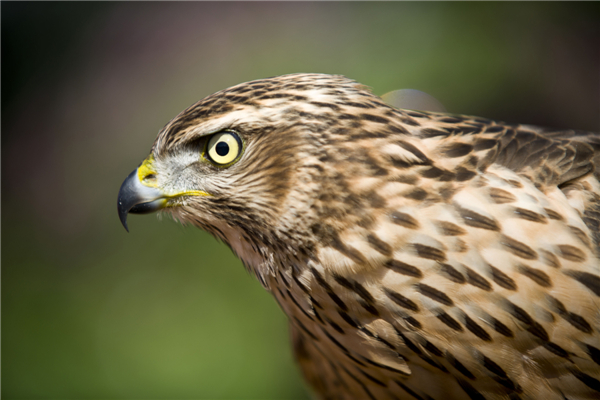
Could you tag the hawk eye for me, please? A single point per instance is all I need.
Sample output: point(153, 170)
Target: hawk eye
point(224, 148)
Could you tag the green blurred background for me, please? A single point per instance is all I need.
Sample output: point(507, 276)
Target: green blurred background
point(89, 311)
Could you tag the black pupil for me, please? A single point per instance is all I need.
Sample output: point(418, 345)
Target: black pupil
point(222, 149)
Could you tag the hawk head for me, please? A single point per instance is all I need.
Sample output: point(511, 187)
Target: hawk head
point(252, 164)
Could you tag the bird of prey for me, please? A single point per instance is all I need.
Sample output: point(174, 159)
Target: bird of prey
point(417, 255)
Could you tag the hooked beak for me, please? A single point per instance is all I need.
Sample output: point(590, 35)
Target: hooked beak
point(137, 198)
point(139, 193)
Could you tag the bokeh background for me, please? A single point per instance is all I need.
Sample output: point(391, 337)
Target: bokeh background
point(89, 311)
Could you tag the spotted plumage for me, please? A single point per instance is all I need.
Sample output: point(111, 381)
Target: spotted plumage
point(417, 255)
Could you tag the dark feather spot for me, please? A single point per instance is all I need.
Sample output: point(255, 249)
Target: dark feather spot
point(349, 320)
point(494, 129)
point(447, 176)
point(463, 174)
point(553, 214)
point(338, 344)
point(409, 121)
point(517, 248)
point(433, 363)
point(301, 326)
point(409, 390)
point(348, 251)
point(515, 183)
point(408, 342)
point(430, 347)
point(556, 349)
point(476, 329)
point(300, 284)
point(477, 280)
point(375, 200)
point(410, 179)
point(452, 274)
point(434, 294)
point(378, 365)
point(367, 134)
point(379, 245)
point(449, 321)
point(532, 326)
point(578, 322)
point(359, 381)
point(457, 150)
point(502, 280)
point(451, 120)
point(358, 105)
point(530, 215)
point(415, 151)
point(589, 381)
point(413, 322)
point(449, 229)
point(334, 107)
point(476, 220)
point(396, 129)
point(460, 246)
point(484, 144)
point(400, 300)
point(415, 114)
point(316, 313)
point(428, 252)
point(404, 220)
point(536, 275)
point(416, 194)
point(375, 118)
point(501, 328)
point(500, 196)
point(447, 191)
point(591, 281)
point(594, 353)
point(356, 287)
point(336, 327)
point(574, 319)
point(369, 307)
point(376, 337)
point(430, 133)
point(468, 130)
point(329, 290)
point(581, 235)
point(315, 302)
point(283, 279)
point(493, 367)
point(459, 366)
point(470, 390)
point(299, 306)
point(432, 172)
point(571, 253)
point(549, 259)
point(403, 268)
point(511, 386)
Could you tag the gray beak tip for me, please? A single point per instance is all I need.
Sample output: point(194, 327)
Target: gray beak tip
point(123, 216)
point(127, 198)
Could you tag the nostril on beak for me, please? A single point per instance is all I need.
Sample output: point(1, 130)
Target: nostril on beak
point(150, 179)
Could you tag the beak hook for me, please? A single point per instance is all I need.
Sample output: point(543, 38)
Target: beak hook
point(136, 198)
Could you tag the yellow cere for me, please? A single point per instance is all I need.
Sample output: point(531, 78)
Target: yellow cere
point(146, 171)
